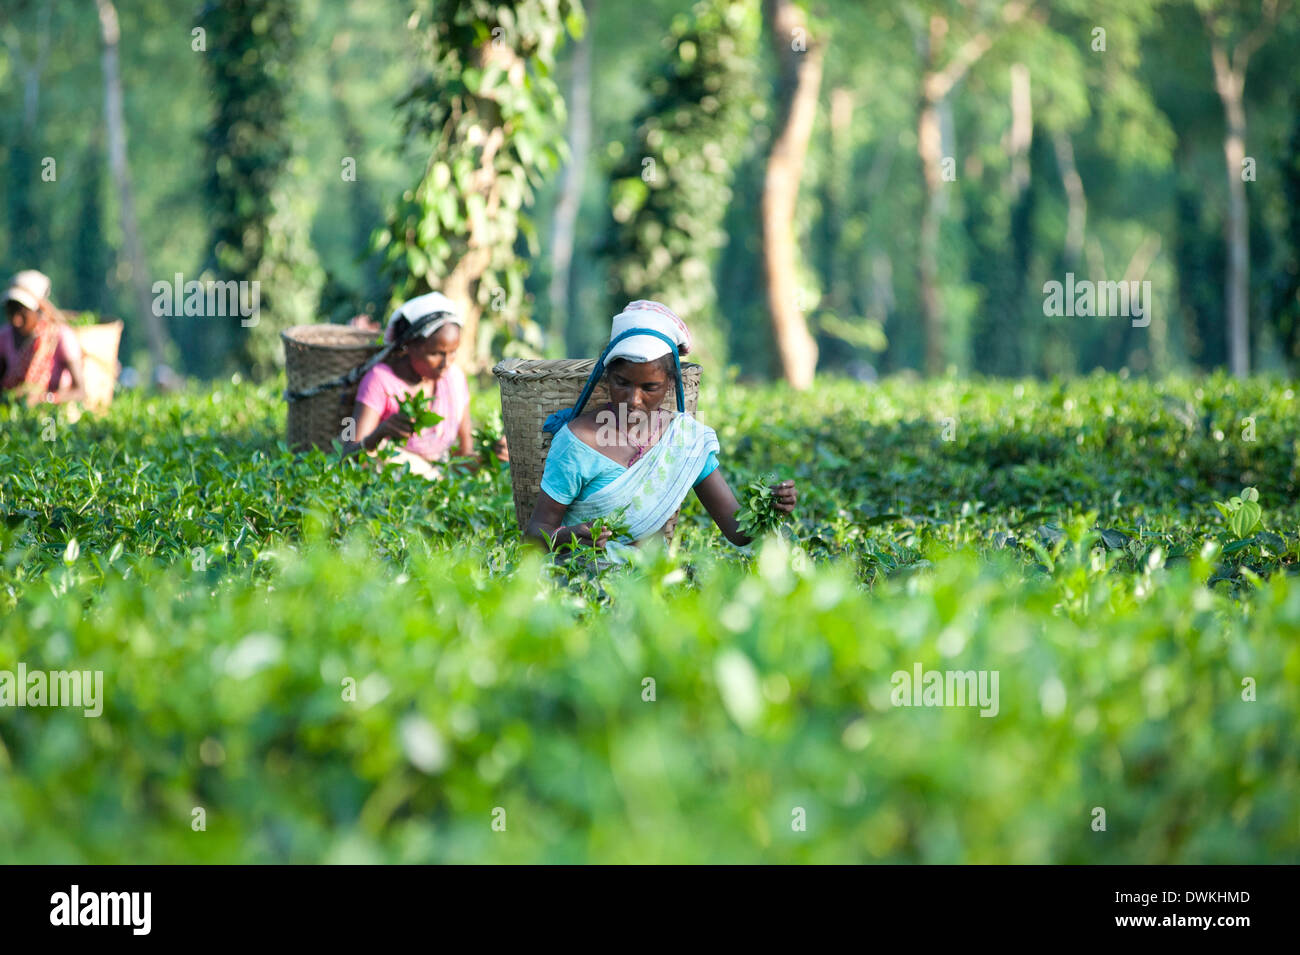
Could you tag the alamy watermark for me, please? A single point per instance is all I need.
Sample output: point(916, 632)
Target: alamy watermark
point(208, 299)
point(130, 909)
point(946, 688)
point(82, 689)
point(1086, 298)
point(639, 428)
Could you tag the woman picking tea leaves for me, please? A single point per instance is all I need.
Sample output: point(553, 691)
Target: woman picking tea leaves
point(632, 462)
point(418, 398)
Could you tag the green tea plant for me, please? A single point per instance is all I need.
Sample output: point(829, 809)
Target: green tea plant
point(419, 408)
point(758, 514)
point(389, 729)
point(616, 523)
point(1242, 513)
point(487, 435)
point(1063, 534)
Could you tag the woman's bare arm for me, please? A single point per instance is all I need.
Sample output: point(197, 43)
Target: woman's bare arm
point(371, 432)
point(720, 501)
point(545, 527)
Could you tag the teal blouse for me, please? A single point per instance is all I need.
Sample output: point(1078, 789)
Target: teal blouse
point(574, 469)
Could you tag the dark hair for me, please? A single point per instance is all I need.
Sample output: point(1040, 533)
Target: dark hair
point(403, 325)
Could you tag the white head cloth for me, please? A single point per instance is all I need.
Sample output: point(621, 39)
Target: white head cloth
point(653, 315)
point(414, 309)
point(28, 288)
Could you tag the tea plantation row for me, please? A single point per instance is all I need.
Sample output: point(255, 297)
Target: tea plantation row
point(304, 662)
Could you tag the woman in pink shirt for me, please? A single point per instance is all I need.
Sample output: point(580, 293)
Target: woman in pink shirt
point(424, 365)
point(39, 354)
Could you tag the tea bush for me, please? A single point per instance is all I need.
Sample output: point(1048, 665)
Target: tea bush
point(338, 665)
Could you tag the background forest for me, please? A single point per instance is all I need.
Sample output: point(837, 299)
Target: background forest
point(856, 188)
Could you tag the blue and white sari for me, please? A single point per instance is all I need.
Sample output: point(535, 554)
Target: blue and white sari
point(648, 493)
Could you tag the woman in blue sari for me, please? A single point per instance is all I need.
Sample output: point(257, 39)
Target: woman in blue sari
point(632, 459)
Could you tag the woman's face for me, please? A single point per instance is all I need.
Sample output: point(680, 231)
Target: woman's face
point(22, 318)
point(641, 386)
point(432, 356)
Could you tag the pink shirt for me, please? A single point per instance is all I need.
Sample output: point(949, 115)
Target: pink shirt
point(69, 350)
point(381, 389)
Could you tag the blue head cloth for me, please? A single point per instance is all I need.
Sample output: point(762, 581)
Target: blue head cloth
point(559, 419)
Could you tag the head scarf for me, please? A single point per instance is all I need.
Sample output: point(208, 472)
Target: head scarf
point(651, 316)
point(425, 313)
point(35, 364)
point(29, 288)
point(643, 331)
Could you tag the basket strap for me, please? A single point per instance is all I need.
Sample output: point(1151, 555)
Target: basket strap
point(347, 378)
point(557, 420)
point(353, 375)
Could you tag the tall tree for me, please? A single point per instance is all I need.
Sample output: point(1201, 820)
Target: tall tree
point(90, 254)
point(799, 59)
point(1288, 295)
point(670, 191)
point(365, 210)
point(485, 118)
point(115, 122)
point(29, 51)
point(939, 74)
point(1234, 38)
point(251, 51)
point(565, 222)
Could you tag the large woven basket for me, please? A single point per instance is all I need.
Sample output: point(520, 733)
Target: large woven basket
point(531, 389)
point(314, 354)
point(99, 344)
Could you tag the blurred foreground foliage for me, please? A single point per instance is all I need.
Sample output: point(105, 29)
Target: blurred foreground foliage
point(338, 666)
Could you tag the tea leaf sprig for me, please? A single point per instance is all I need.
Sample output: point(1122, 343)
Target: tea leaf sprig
point(419, 408)
point(758, 514)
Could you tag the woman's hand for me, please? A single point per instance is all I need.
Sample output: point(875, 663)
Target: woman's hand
point(721, 504)
point(784, 496)
point(565, 535)
point(398, 427)
point(500, 450)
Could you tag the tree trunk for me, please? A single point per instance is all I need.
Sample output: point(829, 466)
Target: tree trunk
point(462, 283)
point(564, 225)
point(1021, 134)
point(29, 230)
point(1077, 216)
point(929, 149)
point(839, 280)
point(936, 83)
point(1230, 85)
point(114, 120)
point(800, 80)
point(32, 75)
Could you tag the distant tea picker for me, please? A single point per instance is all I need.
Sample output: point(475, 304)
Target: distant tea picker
point(632, 462)
point(425, 335)
point(40, 356)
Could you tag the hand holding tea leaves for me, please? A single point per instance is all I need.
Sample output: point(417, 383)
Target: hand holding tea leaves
point(615, 523)
point(490, 442)
point(418, 408)
point(764, 506)
point(413, 415)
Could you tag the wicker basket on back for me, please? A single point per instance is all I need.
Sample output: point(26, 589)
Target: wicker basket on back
point(313, 355)
point(99, 344)
point(533, 388)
